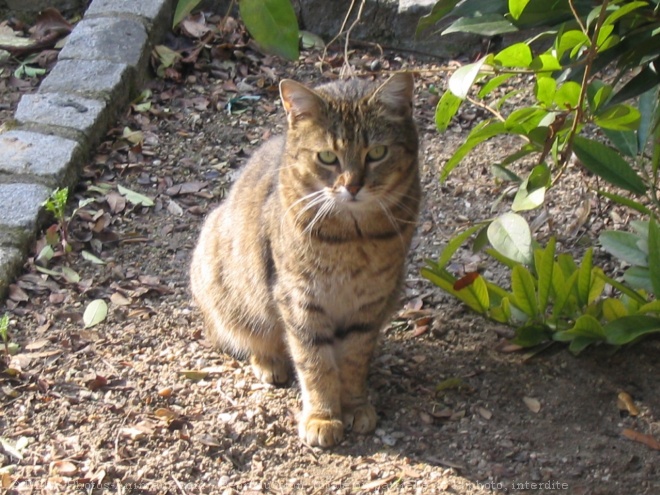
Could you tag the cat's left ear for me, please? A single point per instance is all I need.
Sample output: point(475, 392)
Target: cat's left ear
point(299, 101)
point(396, 93)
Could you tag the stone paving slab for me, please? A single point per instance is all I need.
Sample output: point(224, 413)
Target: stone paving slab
point(11, 260)
point(22, 154)
point(94, 78)
point(69, 112)
point(20, 221)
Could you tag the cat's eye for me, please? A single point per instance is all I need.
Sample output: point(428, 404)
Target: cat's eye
point(328, 158)
point(377, 153)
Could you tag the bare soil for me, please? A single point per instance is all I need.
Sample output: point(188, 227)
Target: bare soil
point(141, 404)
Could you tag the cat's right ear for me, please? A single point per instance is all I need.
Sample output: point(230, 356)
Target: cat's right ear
point(299, 101)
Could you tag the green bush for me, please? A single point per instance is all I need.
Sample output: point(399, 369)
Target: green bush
point(595, 96)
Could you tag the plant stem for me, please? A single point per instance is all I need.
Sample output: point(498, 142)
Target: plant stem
point(591, 54)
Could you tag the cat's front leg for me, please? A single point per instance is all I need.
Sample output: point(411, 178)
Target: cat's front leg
point(320, 422)
point(355, 349)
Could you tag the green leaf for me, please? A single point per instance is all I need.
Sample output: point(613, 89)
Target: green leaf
point(539, 177)
point(93, 259)
point(544, 270)
point(516, 55)
point(545, 89)
point(645, 82)
point(516, 7)
point(485, 25)
point(613, 309)
point(625, 141)
point(134, 197)
point(563, 289)
point(545, 63)
point(510, 235)
point(618, 118)
point(95, 313)
point(568, 95)
point(630, 328)
point(584, 277)
point(524, 292)
point(445, 281)
point(654, 247)
point(606, 163)
point(531, 335)
point(454, 244)
point(579, 344)
point(183, 8)
point(623, 246)
point(598, 94)
point(462, 79)
point(639, 277)
point(631, 294)
point(571, 40)
point(481, 239)
point(585, 326)
point(70, 275)
point(604, 36)
point(623, 10)
point(480, 133)
point(166, 56)
point(504, 174)
point(626, 202)
point(526, 200)
point(525, 120)
point(479, 290)
point(273, 25)
point(446, 109)
point(652, 307)
point(494, 83)
point(648, 107)
point(440, 10)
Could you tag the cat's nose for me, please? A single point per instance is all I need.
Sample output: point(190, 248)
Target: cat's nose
point(354, 189)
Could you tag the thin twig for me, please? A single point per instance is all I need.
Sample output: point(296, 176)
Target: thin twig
point(178, 484)
point(224, 19)
point(346, 64)
point(341, 31)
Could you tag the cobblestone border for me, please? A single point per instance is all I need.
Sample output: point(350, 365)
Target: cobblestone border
point(104, 63)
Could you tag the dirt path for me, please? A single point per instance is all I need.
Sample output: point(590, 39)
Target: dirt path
point(140, 404)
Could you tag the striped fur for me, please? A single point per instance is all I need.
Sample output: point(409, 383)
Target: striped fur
point(302, 265)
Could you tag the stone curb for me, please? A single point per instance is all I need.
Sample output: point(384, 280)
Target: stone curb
point(103, 64)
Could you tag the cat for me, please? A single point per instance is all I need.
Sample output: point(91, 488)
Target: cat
point(303, 263)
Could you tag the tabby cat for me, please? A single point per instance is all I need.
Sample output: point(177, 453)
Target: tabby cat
point(303, 263)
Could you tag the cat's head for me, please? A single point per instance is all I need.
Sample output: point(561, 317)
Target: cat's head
point(351, 143)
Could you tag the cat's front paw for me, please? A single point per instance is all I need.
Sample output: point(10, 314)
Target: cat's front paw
point(360, 419)
point(322, 432)
point(272, 370)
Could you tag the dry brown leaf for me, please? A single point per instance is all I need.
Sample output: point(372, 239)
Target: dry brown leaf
point(372, 485)
point(194, 374)
point(17, 294)
point(65, 468)
point(636, 436)
point(116, 201)
point(484, 413)
point(626, 403)
point(165, 392)
point(209, 441)
point(37, 344)
point(165, 414)
point(119, 299)
point(532, 404)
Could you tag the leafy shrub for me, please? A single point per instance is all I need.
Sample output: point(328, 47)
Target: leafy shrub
point(591, 62)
